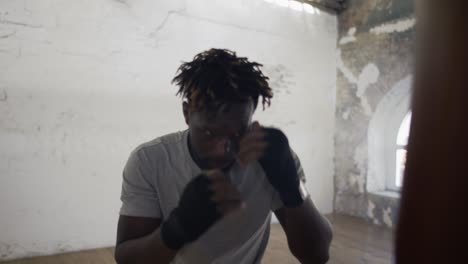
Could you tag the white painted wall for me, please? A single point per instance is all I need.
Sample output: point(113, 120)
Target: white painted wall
point(83, 82)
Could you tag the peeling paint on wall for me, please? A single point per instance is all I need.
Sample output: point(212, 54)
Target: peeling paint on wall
point(375, 53)
point(366, 106)
point(376, 221)
point(360, 157)
point(370, 210)
point(346, 114)
point(343, 69)
point(348, 38)
point(357, 181)
point(387, 217)
point(369, 75)
point(395, 27)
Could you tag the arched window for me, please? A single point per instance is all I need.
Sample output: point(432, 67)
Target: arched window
point(401, 142)
point(387, 138)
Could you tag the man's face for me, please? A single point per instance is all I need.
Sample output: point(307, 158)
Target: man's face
point(215, 136)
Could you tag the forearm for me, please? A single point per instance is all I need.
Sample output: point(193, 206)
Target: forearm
point(147, 249)
point(309, 233)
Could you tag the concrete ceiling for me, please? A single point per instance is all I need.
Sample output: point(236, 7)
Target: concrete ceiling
point(329, 5)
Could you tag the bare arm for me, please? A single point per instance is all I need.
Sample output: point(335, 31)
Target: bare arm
point(205, 199)
point(309, 234)
point(139, 241)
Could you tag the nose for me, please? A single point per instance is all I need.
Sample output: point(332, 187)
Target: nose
point(222, 147)
point(226, 148)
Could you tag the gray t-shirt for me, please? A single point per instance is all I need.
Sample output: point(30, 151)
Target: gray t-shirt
point(153, 181)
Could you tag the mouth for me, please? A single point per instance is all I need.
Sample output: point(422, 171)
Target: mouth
point(223, 164)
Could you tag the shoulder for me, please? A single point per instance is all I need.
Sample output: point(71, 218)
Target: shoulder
point(160, 148)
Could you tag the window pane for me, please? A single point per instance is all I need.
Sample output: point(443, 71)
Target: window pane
point(400, 166)
point(403, 132)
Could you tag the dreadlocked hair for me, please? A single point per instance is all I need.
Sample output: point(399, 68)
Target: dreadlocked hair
point(217, 76)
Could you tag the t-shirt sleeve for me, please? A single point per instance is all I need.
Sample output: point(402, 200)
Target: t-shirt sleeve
point(139, 196)
point(277, 203)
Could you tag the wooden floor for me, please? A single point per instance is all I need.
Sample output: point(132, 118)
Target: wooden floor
point(354, 242)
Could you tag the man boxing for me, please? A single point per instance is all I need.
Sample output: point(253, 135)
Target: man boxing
point(205, 195)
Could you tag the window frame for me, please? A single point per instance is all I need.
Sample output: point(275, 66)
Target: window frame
point(391, 184)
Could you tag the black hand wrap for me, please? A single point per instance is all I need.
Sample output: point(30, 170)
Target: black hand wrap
point(193, 216)
point(280, 168)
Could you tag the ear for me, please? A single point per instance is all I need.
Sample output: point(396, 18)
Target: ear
point(186, 111)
